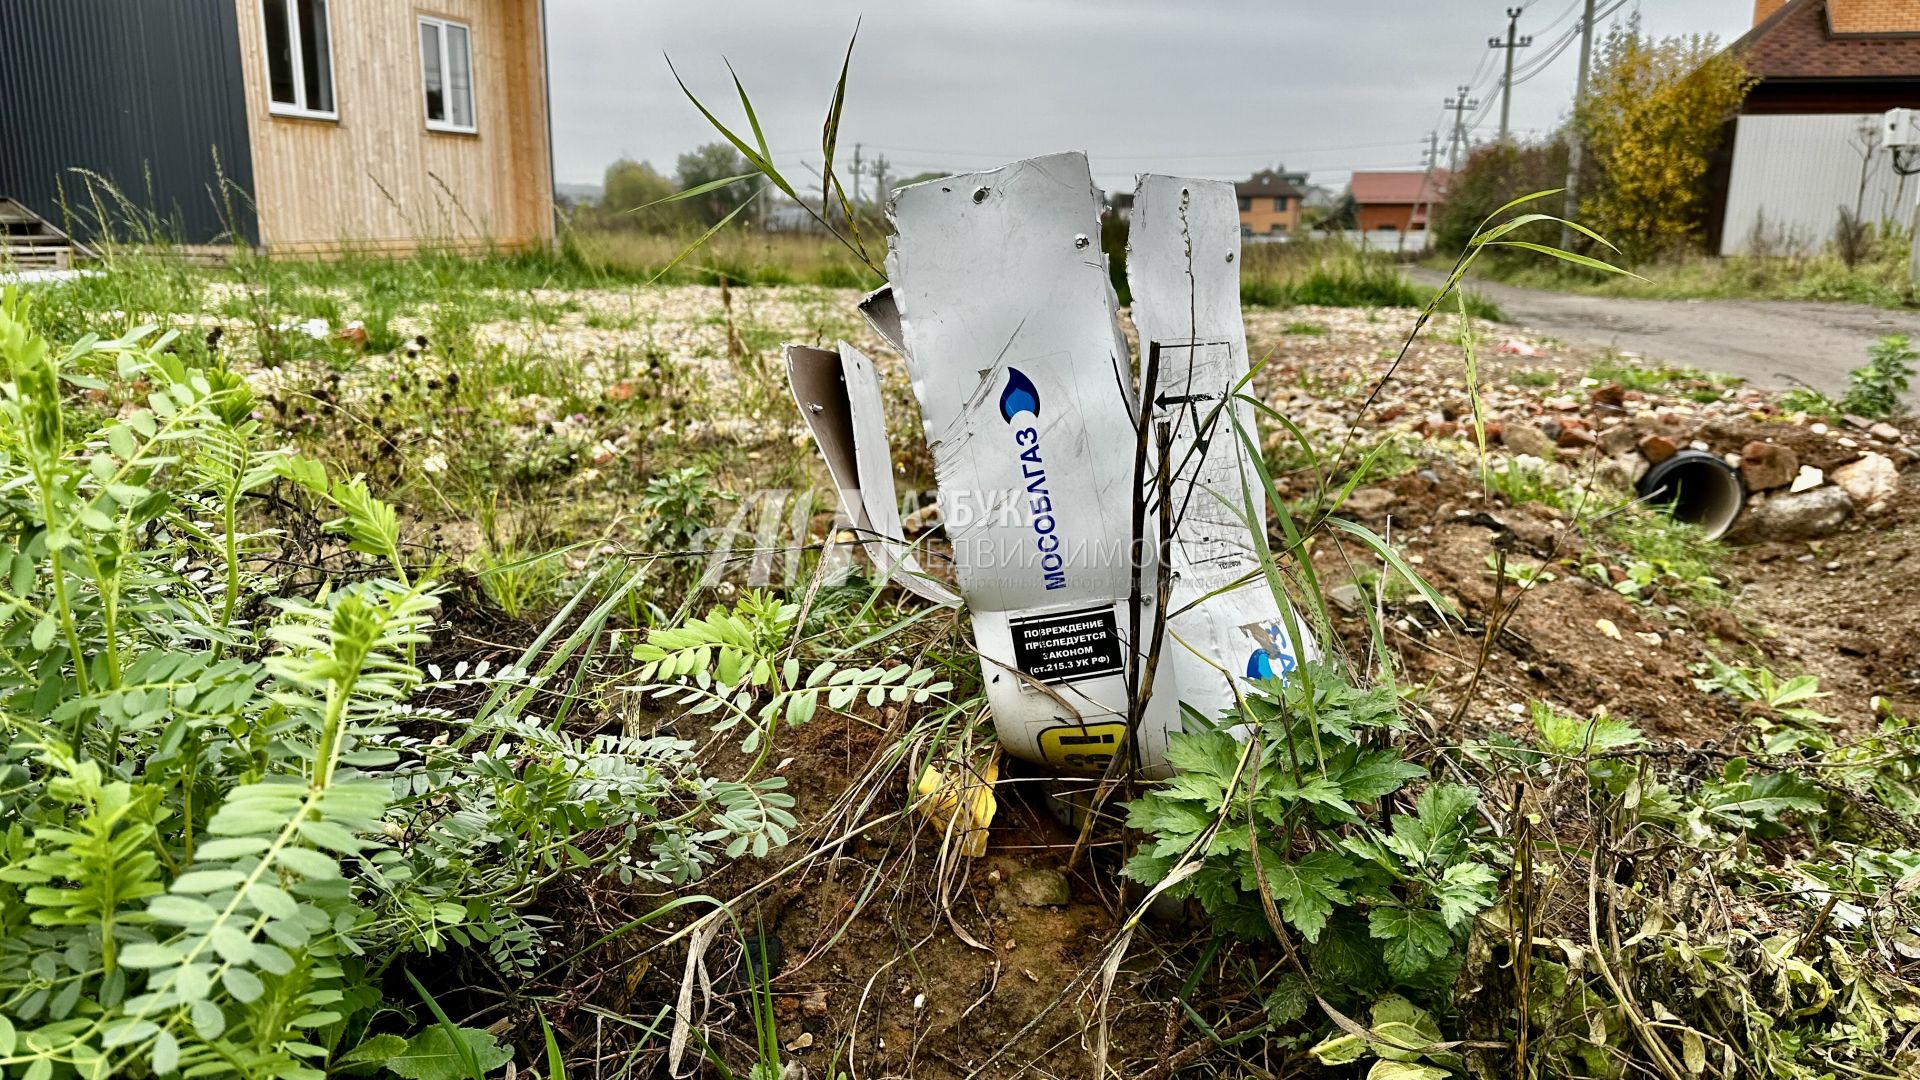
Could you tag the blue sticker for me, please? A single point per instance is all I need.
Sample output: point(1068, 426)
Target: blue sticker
point(1019, 396)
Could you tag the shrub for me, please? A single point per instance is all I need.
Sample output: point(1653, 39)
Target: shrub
point(1652, 118)
point(1874, 388)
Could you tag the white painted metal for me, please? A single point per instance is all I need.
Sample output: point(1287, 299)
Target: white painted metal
point(1183, 253)
point(1900, 129)
point(839, 396)
point(1025, 387)
point(1792, 173)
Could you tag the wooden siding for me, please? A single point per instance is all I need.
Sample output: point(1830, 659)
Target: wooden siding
point(376, 179)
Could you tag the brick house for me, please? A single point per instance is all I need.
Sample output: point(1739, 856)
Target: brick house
point(1396, 201)
point(1270, 203)
point(1805, 143)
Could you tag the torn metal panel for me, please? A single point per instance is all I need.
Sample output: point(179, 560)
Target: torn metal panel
point(1183, 254)
point(884, 316)
point(1025, 386)
point(839, 396)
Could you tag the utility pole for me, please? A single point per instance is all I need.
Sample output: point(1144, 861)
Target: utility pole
point(880, 179)
point(856, 174)
point(1575, 144)
point(1506, 84)
point(1431, 156)
point(1458, 140)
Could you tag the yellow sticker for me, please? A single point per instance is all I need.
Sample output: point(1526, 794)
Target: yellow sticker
point(1087, 747)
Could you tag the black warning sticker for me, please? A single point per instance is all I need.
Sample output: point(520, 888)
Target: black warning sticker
point(1067, 646)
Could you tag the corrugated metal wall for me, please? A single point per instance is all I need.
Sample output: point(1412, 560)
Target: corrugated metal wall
point(1793, 173)
point(147, 93)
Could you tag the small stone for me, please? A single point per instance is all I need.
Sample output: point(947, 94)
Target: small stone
point(1834, 565)
point(1368, 502)
point(805, 1040)
point(1391, 411)
point(1807, 479)
point(1885, 432)
point(1625, 469)
point(1611, 396)
point(1871, 479)
point(1804, 515)
point(1618, 440)
point(1817, 429)
point(1347, 598)
point(1765, 466)
point(1860, 422)
point(1040, 887)
point(1647, 637)
point(814, 1004)
point(1575, 438)
point(1605, 626)
point(922, 520)
point(1658, 448)
point(1849, 443)
point(1523, 437)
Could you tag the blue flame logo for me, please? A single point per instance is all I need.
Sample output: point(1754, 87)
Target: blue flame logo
point(1259, 665)
point(1019, 396)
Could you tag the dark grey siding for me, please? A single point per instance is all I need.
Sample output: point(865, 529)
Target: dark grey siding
point(147, 93)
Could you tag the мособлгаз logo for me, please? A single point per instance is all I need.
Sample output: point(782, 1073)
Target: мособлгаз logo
point(1019, 396)
point(1273, 657)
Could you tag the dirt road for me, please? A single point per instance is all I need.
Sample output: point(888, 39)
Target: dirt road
point(1767, 342)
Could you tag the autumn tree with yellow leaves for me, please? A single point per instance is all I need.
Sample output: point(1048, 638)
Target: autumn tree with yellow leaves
point(1655, 112)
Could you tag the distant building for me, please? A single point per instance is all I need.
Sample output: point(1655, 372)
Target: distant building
point(1270, 203)
point(1401, 202)
point(1806, 142)
point(295, 125)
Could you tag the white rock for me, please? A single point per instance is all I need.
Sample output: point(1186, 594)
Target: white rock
point(1885, 432)
point(1870, 479)
point(1808, 479)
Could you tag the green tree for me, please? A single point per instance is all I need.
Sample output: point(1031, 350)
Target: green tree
point(1654, 114)
point(632, 184)
point(705, 164)
point(1494, 175)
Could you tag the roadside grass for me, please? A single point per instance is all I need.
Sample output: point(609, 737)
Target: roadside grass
point(1879, 281)
point(1324, 275)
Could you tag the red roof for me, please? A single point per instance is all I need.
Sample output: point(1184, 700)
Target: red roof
point(1399, 188)
point(1800, 41)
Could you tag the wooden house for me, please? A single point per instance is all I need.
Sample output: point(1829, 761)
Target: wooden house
point(299, 126)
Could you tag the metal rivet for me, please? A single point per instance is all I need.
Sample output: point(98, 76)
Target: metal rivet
point(1081, 241)
point(980, 195)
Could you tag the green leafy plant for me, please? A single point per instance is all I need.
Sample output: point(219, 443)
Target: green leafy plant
point(1276, 832)
point(223, 814)
point(737, 663)
point(675, 506)
point(1874, 388)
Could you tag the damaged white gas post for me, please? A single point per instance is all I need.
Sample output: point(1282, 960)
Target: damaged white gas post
point(1049, 464)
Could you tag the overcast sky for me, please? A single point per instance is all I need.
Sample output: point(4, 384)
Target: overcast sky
point(1196, 87)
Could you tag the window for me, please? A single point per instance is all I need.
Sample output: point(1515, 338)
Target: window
point(1280, 204)
point(299, 58)
point(446, 71)
point(1246, 204)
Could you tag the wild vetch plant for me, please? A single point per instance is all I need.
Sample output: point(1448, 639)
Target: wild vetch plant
point(225, 817)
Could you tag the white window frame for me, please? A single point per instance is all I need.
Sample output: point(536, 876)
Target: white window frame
point(299, 46)
point(446, 76)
